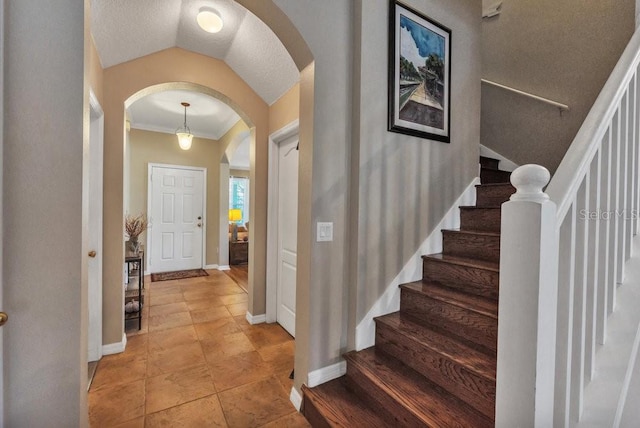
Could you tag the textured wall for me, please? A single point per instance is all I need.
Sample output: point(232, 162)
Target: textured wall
point(285, 110)
point(561, 50)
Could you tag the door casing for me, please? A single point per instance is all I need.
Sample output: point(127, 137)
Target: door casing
point(275, 139)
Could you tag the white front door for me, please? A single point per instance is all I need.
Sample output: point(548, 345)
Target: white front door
point(177, 218)
point(287, 233)
point(95, 231)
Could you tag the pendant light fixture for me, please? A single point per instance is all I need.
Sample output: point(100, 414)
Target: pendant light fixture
point(184, 133)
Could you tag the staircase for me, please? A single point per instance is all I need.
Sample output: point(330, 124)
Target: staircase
point(434, 361)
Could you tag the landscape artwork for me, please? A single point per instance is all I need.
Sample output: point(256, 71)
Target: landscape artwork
point(419, 75)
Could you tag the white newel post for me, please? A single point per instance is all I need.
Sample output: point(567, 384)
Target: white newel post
point(527, 306)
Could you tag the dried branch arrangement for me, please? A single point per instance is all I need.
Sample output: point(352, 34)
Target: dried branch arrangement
point(134, 225)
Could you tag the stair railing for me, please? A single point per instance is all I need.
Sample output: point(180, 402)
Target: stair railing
point(562, 256)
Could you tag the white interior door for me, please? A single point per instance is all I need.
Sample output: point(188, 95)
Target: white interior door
point(95, 231)
point(287, 233)
point(177, 218)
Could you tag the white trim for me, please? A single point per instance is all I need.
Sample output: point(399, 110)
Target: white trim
point(148, 247)
point(224, 267)
point(275, 139)
point(326, 374)
point(412, 270)
point(627, 379)
point(94, 291)
point(505, 164)
point(2, 285)
point(96, 108)
point(115, 348)
point(256, 319)
point(295, 398)
point(214, 266)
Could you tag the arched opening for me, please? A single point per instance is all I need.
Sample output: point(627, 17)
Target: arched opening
point(205, 153)
point(125, 83)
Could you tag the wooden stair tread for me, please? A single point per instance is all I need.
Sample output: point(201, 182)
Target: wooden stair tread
point(471, 302)
point(477, 362)
point(341, 407)
point(430, 404)
point(483, 207)
point(463, 261)
point(472, 232)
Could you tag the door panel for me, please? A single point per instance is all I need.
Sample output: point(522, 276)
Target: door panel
point(287, 233)
point(177, 200)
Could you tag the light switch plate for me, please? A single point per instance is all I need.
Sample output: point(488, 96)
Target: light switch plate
point(325, 232)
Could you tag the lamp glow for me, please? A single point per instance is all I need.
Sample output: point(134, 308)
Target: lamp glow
point(235, 215)
point(209, 20)
point(184, 133)
point(184, 140)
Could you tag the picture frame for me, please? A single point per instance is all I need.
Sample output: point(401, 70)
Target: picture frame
point(419, 74)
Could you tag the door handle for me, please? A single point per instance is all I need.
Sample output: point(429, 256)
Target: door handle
point(92, 253)
point(3, 318)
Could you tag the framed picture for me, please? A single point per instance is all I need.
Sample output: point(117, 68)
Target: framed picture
point(419, 74)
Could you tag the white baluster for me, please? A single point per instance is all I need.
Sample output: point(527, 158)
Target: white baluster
point(614, 201)
point(528, 300)
point(566, 281)
point(593, 226)
point(604, 247)
point(636, 157)
point(579, 305)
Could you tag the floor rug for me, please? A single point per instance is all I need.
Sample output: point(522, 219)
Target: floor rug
point(180, 274)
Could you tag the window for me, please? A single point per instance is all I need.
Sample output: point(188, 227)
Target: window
point(239, 197)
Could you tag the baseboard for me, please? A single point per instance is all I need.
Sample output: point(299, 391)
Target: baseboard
point(627, 379)
point(224, 267)
point(505, 164)
point(256, 319)
point(295, 398)
point(115, 348)
point(326, 374)
point(412, 270)
point(211, 267)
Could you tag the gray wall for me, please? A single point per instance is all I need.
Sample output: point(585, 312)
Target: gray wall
point(383, 191)
point(407, 184)
point(44, 281)
point(561, 50)
point(327, 29)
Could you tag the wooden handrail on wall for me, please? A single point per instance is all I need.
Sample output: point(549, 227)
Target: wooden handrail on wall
point(559, 106)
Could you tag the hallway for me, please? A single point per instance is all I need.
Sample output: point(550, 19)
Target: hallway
point(197, 362)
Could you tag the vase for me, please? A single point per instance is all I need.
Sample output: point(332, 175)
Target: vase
point(132, 247)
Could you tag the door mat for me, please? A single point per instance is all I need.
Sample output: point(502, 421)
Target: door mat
point(180, 274)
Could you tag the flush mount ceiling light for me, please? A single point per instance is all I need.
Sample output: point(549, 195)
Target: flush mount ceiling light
point(184, 133)
point(209, 20)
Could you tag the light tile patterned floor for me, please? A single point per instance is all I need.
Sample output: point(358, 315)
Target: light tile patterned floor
point(196, 363)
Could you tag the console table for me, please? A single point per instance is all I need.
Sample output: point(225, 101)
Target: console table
point(238, 252)
point(134, 263)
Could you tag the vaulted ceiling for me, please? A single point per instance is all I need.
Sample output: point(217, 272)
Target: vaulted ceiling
point(124, 30)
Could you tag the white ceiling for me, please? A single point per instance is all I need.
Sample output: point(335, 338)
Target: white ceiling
point(207, 117)
point(240, 158)
point(124, 30)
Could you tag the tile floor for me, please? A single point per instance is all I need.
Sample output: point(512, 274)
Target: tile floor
point(196, 363)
